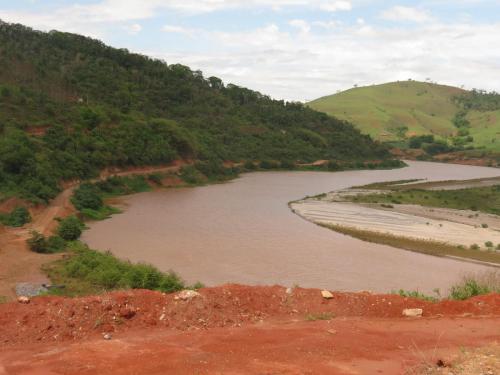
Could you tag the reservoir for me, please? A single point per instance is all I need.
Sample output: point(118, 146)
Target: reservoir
point(243, 232)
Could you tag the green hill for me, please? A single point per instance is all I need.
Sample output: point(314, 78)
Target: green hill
point(385, 111)
point(70, 106)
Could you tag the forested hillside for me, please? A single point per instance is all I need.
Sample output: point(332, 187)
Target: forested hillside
point(70, 105)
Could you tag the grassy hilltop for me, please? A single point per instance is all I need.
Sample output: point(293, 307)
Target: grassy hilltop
point(400, 110)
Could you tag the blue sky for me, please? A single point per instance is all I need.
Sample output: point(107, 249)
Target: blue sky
point(293, 49)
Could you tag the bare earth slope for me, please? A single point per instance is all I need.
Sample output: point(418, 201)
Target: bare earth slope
point(238, 330)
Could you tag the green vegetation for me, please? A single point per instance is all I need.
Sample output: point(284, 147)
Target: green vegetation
point(70, 228)
point(71, 106)
point(41, 244)
point(89, 197)
point(484, 199)
point(399, 112)
point(472, 286)
point(87, 271)
point(415, 294)
point(16, 218)
point(419, 246)
point(3, 299)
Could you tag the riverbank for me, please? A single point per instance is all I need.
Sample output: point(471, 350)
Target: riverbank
point(387, 213)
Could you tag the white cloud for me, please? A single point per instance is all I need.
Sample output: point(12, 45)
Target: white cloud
point(281, 65)
point(401, 13)
point(179, 30)
point(302, 25)
point(135, 28)
point(333, 6)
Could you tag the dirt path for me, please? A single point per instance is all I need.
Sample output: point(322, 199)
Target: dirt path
point(18, 263)
point(239, 330)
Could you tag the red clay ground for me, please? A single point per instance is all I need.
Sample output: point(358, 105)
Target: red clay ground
point(238, 330)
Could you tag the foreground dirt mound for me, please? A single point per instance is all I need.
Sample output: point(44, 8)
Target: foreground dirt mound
point(53, 319)
point(239, 330)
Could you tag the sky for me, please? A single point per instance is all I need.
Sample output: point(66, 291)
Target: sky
point(293, 49)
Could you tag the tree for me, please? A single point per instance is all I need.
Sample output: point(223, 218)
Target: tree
point(70, 229)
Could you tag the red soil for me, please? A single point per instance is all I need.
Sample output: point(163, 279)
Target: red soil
point(237, 330)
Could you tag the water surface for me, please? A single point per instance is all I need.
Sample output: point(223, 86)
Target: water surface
point(243, 232)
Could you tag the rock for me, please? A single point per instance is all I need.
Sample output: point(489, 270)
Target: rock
point(187, 295)
point(288, 291)
point(30, 289)
point(107, 336)
point(23, 299)
point(326, 294)
point(413, 312)
point(162, 316)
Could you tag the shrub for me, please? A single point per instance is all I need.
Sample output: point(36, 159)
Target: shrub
point(191, 175)
point(56, 244)
point(37, 242)
point(155, 178)
point(87, 196)
point(484, 225)
point(104, 271)
point(268, 164)
point(476, 285)
point(488, 244)
point(16, 218)
point(70, 229)
point(249, 165)
point(474, 246)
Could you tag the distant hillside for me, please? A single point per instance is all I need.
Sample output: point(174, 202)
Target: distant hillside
point(70, 106)
point(383, 111)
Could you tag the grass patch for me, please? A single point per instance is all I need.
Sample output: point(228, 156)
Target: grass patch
point(475, 285)
point(102, 213)
point(415, 294)
point(319, 316)
point(421, 246)
point(85, 271)
point(484, 199)
point(3, 299)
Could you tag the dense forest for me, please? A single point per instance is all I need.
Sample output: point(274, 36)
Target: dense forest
point(70, 105)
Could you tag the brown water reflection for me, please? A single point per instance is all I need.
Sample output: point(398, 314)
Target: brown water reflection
point(244, 232)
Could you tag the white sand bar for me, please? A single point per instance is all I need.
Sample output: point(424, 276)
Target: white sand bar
point(396, 223)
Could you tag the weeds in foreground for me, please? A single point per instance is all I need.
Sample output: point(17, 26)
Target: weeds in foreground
point(475, 285)
point(416, 294)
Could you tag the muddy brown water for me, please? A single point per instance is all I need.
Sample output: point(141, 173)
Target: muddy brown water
point(243, 232)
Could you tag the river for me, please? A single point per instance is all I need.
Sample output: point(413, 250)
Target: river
point(243, 232)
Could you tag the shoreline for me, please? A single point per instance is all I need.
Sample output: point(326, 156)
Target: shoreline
point(457, 234)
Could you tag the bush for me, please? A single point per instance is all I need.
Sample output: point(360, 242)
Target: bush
point(87, 196)
point(40, 244)
point(250, 165)
point(472, 286)
point(56, 244)
point(268, 164)
point(191, 175)
point(70, 229)
point(37, 242)
point(16, 218)
point(489, 244)
point(106, 272)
